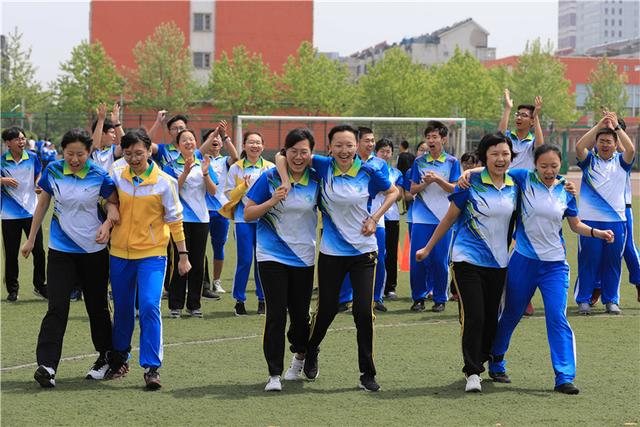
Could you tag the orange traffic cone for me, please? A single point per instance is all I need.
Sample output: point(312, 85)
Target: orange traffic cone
point(405, 256)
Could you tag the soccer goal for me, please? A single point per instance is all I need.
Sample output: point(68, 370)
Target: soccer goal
point(275, 128)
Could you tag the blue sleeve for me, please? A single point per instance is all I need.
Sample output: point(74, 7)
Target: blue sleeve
point(260, 192)
point(107, 186)
point(572, 208)
point(44, 180)
point(169, 170)
point(213, 175)
point(626, 166)
point(407, 179)
point(586, 162)
point(519, 176)
point(400, 181)
point(198, 155)
point(321, 164)
point(379, 181)
point(416, 176)
point(454, 175)
point(459, 197)
point(37, 166)
point(159, 154)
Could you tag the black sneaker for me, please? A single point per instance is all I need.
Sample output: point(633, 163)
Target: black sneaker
point(418, 306)
point(76, 295)
point(99, 368)
point(239, 309)
point(44, 377)
point(118, 365)
point(368, 383)
point(567, 388)
point(41, 292)
point(344, 307)
point(310, 368)
point(378, 306)
point(209, 294)
point(152, 378)
point(12, 297)
point(500, 377)
point(261, 307)
point(438, 307)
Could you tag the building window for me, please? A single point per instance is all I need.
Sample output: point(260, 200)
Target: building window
point(202, 22)
point(625, 68)
point(620, 22)
point(620, 11)
point(202, 60)
point(606, 33)
point(606, 22)
point(606, 10)
point(619, 33)
point(613, 22)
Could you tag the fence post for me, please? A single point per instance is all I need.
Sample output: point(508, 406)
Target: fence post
point(565, 164)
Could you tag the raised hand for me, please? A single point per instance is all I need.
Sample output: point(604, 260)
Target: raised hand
point(115, 113)
point(538, 105)
point(507, 99)
point(102, 111)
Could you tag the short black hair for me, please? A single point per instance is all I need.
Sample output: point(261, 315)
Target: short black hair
point(134, 136)
point(12, 133)
point(343, 128)
point(299, 134)
point(77, 135)
point(175, 118)
point(363, 130)
point(529, 107)
point(384, 142)
point(404, 144)
point(545, 148)
point(419, 144)
point(436, 126)
point(607, 131)
point(489, 140)
point(469, 156)
point(108, 124)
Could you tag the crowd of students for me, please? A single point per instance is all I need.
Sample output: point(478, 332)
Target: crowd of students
point(136, 214)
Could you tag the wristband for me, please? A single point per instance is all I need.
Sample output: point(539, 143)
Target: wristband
point(183, 253)
point(592, 232)
point(205, 174)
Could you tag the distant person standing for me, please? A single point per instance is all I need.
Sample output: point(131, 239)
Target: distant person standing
point(524, 142)
point(405, 161)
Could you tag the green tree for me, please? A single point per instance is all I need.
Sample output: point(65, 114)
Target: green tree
point(463, 87)
point(606, 89)
point(89, 77)
point(540, 73)
point(20, 90)
point(315, 84)
point(242, 83)
point(163, 78)
point(393, 87)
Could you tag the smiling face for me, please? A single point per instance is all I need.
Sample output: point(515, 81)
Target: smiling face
point(16, 145)
point(606, 146)
point(298, 156)
point(366, 144)
point(548, 167)
point(75, 154)
point(498, 158)
point(435, 142)
point(137, 156)
point(187, 144)
point(343, 149)
point(253, 146)
point(216, 146)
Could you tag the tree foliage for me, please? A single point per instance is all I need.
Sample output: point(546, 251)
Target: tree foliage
point(316, 84)
point(539, 72)
point(163, 78)
point(242, 83)
point(89, 77)
point(20, 89)
point(606, 89)
point(393, 87)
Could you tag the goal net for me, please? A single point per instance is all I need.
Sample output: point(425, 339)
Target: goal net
point(411, 129)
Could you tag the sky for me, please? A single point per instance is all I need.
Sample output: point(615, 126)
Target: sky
point(52, 28)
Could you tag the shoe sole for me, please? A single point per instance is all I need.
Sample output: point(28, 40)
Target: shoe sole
point(362, 387)
point(308, 378)
point(210, 298)
point(473, 390)
point(240, 314)
point(153, 386)
point(43, 379)
point(271, 390)
point(39, 295)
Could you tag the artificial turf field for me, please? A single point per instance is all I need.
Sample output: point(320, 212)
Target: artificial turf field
point(214, 371)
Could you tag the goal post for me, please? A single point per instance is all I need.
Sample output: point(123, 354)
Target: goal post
point(275, 128)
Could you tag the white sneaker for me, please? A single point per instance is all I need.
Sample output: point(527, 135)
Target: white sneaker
point(613, 308)
point(217, 287)
point(273, 384)
point(99, 369)
point(473, 384)
point(295, 370)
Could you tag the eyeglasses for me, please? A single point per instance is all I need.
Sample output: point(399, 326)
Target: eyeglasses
point(522, 115)
point(127, 155)
point(177, 128)
point(295, 153)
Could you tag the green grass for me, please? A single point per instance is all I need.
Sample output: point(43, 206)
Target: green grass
point(214, 371)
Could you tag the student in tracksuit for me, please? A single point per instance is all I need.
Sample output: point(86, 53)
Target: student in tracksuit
point(241, 177)
point(421, 150)
point(150, 210)
point(20, 171)
point(480, 250)
point(77, 252)
point(196, 179)
point(433, 179)
point(106, 137)
point(602, 205)
point(218, 224)
point(286, 251)
point(348, 245)
point(539, 261)
point(384, 151)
